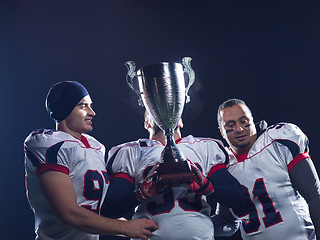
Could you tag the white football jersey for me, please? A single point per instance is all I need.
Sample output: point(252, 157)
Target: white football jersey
point(83, 161)
point(277, 210)
point(178, 213)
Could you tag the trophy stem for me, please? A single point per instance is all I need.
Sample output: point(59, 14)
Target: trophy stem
point(169, 132)
point(174, 168)
point(171, 152)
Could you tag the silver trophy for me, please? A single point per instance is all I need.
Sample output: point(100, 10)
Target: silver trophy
point(163, 93)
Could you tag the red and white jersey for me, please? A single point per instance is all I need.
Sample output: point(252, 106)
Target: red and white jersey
point(277, 210)
point(83, 161)
point(178, 213)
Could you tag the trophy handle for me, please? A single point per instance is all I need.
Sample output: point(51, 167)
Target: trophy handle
point(186, 62)
point(131, 74)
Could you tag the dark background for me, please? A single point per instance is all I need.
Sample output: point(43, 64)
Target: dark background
point(264, 52)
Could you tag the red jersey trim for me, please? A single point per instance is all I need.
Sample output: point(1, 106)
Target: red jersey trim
point(215, 168)
point(85, 141)
point(298, 159)
point(240, 157)
point(123, 175)
point(176, 142)
point(157, 141)
point(42, 168)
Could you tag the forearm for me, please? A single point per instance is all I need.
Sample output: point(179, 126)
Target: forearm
point(227, 190)
point(90, 222)
point(315, 214)
point(305, 179)
point(120, 200)
point(60, 193)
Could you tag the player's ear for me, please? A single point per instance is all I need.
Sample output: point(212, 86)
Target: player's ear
point(147, 124)
point(180, 123)
point(222, 132)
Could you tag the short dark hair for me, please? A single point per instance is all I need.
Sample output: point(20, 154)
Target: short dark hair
point(229, 103)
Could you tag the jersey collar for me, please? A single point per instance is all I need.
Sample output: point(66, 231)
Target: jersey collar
point(240, 157)
point(176, 142)
point(85, 141)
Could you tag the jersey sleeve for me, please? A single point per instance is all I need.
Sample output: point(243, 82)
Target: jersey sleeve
point(290, 142)
point(45, 152)
point(121, 159)
point(217, 156)
point(224, 183)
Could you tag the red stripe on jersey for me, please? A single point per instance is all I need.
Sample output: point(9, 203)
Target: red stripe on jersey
point(297, 159)
point(215, 168)
point(85, 141)
point(158, 141)
point(123, 175)
point(42, 168)
point(240, 157)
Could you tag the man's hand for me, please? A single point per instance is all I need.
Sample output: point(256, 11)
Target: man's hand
point(149, 188)
point(139, 228)
point(200, 184)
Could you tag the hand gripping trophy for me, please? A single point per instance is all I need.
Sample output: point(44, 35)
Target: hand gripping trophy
point(163, 93)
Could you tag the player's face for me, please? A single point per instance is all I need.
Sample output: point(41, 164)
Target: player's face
point(80, 119)
point(237, 128)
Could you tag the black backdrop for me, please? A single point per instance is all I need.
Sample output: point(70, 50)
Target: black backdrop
point(265, 52)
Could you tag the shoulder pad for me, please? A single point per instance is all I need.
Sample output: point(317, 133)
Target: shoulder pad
point(45, 137)
point(285, 131)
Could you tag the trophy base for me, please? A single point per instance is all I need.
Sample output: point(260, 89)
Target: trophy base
point(174, 173)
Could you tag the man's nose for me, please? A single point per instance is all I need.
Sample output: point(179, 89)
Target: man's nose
point(239, 128)
point(91, 112)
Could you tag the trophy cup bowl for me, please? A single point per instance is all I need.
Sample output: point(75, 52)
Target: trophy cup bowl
point(163, 93)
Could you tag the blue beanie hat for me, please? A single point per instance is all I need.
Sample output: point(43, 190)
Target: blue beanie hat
point(63, 97)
